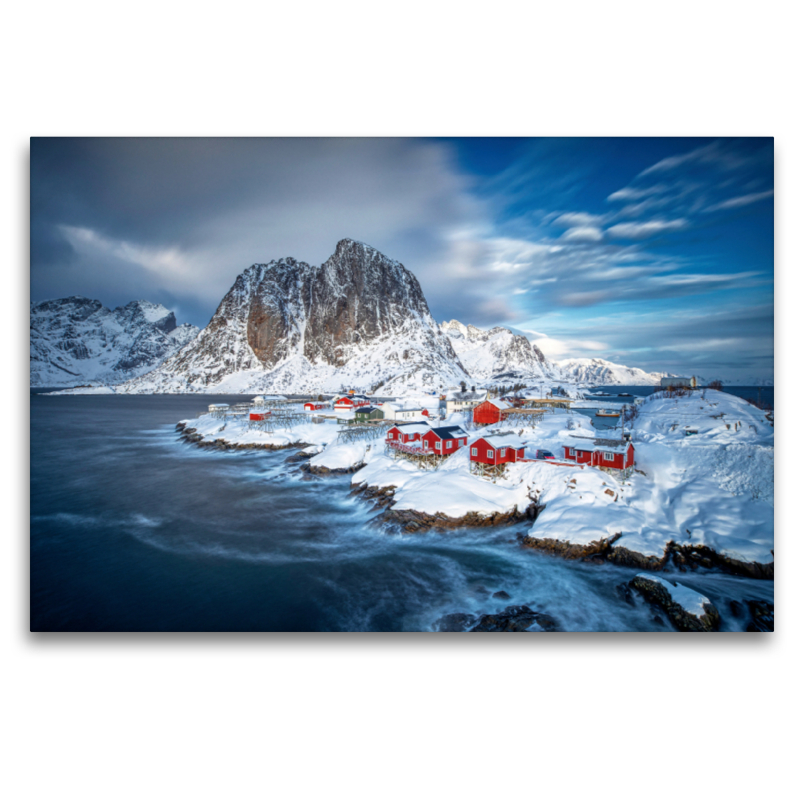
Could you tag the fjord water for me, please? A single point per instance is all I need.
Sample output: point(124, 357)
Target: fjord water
point(133, 530)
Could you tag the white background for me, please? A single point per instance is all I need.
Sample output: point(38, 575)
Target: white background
point(379, 716)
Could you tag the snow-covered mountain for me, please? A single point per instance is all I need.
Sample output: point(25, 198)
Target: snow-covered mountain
point(79, 341)
point(497, 354)
point(358, 321)
point(599, 372)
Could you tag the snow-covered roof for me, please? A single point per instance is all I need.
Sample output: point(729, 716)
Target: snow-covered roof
point(503, 440)
point(501, 404)
point(620, 447)
point(413, 427)
point(367, 409)
point(449, 431)
point(465, 396)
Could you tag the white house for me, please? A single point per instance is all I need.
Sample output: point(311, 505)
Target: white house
point(395, 411)
point(454, 402)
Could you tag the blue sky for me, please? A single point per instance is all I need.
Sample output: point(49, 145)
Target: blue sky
point(656, 253)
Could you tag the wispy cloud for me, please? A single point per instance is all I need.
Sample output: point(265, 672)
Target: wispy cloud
point(644, 230)
point(742, 200)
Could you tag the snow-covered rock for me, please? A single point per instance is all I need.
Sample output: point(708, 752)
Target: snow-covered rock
point(358, 321)
point(497, 354)
point(687, 609)
point(75, 340)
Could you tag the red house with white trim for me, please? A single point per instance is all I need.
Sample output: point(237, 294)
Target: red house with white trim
point(495, 450)
point(315, 406)
point(407, 433)
point(444, 440)
point(490, 411)
point(351, 401)
point(259, 416)
point(608, 454)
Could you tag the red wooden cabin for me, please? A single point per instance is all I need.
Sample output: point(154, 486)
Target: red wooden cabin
point(315, 406)
point(407, 433)
point(444, 440)
point(609, 456)
point(349, 402)
point(497, 450)
point(490, 411)
point(259, 416)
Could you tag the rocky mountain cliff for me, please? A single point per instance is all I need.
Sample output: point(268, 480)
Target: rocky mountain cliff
point(76, 341)
point(358, 321)
point(497, 354)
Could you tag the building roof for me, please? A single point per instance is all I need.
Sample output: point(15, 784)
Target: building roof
point(466, 396)
point(501, 404)
point(497, 440)
point(597, 447)
point(449, 431)
point(367, 409)
point(412, 427)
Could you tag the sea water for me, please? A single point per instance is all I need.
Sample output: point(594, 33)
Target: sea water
point(134, 530)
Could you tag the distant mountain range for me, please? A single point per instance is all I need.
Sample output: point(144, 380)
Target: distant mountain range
point(360, 321)
point(79, 341)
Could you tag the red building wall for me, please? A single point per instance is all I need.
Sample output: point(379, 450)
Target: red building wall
point(483, 447)
point(395, 434)
point(486, 413)
point(431, 438)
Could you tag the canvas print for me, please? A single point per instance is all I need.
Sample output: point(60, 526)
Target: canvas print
point(445, 385)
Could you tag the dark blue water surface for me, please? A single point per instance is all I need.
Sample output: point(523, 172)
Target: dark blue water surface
point(133, 530)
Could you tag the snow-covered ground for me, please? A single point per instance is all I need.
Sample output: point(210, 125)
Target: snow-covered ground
point(237, 431)
point(714, 488)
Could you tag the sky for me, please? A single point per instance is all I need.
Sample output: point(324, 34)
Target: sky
point(655, 253)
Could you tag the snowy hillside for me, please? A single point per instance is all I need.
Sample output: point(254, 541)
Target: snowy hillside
point(599, 372)
point(497, 354)
point(358, 321)
point(79, 341)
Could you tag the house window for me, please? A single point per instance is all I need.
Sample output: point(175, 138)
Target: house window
point(608, 456)
point(570, 451)
point(502, 452)
point(449, 444)
point(474, 451)
point(490, 454)
point(390, 436)
point(438, 445)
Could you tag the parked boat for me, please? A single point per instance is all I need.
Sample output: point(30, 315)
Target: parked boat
point(603, 413)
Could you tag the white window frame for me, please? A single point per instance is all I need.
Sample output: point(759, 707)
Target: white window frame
point(502, 452)
point(490, 454)
point(390, 436)
point(449, 444)
point(438, 445)
point(570, 451)
point(608, 456)
point(474, 451)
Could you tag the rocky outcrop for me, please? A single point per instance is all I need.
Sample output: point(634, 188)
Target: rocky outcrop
point(191, 436)
point(660, 595)
point(360, 318)
point(510, 619)
point(413, 521)
point(762, 616)
point(497, 353)
point(683, 557)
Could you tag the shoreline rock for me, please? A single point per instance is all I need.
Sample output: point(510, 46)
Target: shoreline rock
point(190, 436)
point(512, 619)
point(684, 557)
point(655, 593)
